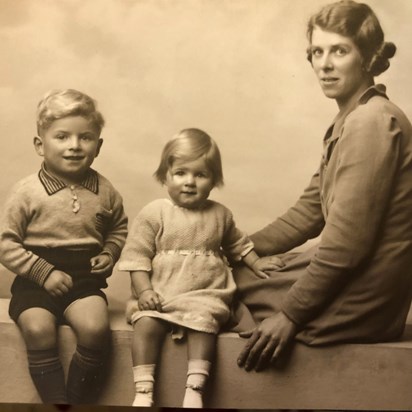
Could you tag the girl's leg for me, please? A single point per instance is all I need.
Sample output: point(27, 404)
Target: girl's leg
point(148, 338)
point(200, 352)
point(38, 327)
point(89, 319)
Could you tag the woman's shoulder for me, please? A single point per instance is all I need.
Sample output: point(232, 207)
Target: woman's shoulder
point(378, 109)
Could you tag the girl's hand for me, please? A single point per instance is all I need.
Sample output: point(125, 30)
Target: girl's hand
point(58, 283)
point(266, 263)
point(102, 264)
point(149, 300)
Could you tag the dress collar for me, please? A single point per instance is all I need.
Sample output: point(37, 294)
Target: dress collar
point(335, 128)
point(53, 185)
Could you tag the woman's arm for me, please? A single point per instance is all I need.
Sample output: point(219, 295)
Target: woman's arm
point(369, 153)
point(300, 223)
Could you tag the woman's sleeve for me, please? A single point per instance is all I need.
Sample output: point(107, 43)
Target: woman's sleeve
point(140, 245)
point(300, 223)
point(369, 152)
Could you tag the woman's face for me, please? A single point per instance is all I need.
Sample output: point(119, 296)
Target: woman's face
point(338, 64)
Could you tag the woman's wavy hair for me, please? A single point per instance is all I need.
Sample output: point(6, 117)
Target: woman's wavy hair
point(57, 104)
point(358, 22)
point(188, 145)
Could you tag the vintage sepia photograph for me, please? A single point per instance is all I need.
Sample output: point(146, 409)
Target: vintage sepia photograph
point(205, 204)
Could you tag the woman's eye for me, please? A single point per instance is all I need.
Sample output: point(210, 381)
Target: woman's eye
point(61, 136)
point(340, 51)
point(316, 52)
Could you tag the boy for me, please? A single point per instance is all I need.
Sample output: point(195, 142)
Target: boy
point(62, 231)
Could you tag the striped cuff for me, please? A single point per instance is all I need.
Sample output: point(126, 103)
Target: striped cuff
point(40, 271)
point(113, 250)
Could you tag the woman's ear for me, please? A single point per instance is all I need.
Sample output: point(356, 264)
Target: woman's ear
point(38, 145)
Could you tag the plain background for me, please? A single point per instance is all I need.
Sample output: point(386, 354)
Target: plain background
point(235, 68)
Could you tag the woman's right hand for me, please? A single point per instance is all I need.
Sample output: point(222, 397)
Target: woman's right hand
point(149, 300)
point(58, 283)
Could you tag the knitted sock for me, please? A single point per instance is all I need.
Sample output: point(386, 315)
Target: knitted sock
point(86, 375)
point(47, 374)
point(143, 376)
point(197, 374)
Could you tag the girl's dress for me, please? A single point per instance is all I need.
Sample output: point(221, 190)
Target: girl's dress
point(184, 249)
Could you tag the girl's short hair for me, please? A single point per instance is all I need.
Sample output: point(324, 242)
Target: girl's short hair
point(57, 104)
point(188, 145)
point(358, 22)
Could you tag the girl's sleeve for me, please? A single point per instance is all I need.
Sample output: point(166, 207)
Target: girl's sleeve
point(235, 243)
point(369, 153)
point(13, 255)
point(140, 245)
point(116, 236)
point(300, 223)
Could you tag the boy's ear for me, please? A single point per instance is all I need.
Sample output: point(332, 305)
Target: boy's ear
point(99, 146)
point(38, 145)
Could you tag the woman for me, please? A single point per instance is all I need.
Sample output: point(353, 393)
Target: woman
point(356, 284)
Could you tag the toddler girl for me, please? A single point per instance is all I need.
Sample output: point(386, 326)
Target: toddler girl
point(175, 255)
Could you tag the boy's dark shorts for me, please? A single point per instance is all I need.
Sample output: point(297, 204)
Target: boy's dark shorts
point(27, 294)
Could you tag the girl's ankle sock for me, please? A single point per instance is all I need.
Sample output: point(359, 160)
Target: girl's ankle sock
point(86, 374)
point(143, 376)
point(47, 374)
point(197, 374)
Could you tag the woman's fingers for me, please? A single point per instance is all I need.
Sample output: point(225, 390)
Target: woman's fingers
point(252, 350)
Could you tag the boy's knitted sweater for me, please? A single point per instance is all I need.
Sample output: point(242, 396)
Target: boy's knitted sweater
point(42, 211)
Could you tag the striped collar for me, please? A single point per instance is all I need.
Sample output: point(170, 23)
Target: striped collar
point(53, 185)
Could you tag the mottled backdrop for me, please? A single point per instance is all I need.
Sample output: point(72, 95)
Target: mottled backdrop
point(235, 68)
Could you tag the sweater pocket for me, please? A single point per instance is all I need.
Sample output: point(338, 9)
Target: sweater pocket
point(103, 220)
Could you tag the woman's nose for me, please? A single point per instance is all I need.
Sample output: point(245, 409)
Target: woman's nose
point(326, 62)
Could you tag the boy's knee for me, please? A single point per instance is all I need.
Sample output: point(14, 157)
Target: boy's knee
point(38, 335)
point(93, 334)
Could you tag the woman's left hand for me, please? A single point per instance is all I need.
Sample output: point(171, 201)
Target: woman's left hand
point(266, 342)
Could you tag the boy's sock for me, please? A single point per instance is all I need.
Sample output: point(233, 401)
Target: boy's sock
point(143, 376)
point(47, 374)
point(86, 375)
point(197, 374)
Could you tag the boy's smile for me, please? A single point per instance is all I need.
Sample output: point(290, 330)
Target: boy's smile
point(69, 147)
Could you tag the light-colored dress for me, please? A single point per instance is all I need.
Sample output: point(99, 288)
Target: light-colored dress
point(184, 250)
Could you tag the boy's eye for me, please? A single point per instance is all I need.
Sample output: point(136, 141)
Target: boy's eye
point(86, 137)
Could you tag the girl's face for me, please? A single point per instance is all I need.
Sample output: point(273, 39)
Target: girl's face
point(338, 64)
point(189, 183)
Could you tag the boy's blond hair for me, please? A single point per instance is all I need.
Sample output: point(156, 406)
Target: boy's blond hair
point(57, 104)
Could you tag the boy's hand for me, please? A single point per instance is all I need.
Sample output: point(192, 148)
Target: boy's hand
point(149, 300)
point(102, 264)
point(266, 263)
point(58, 283)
